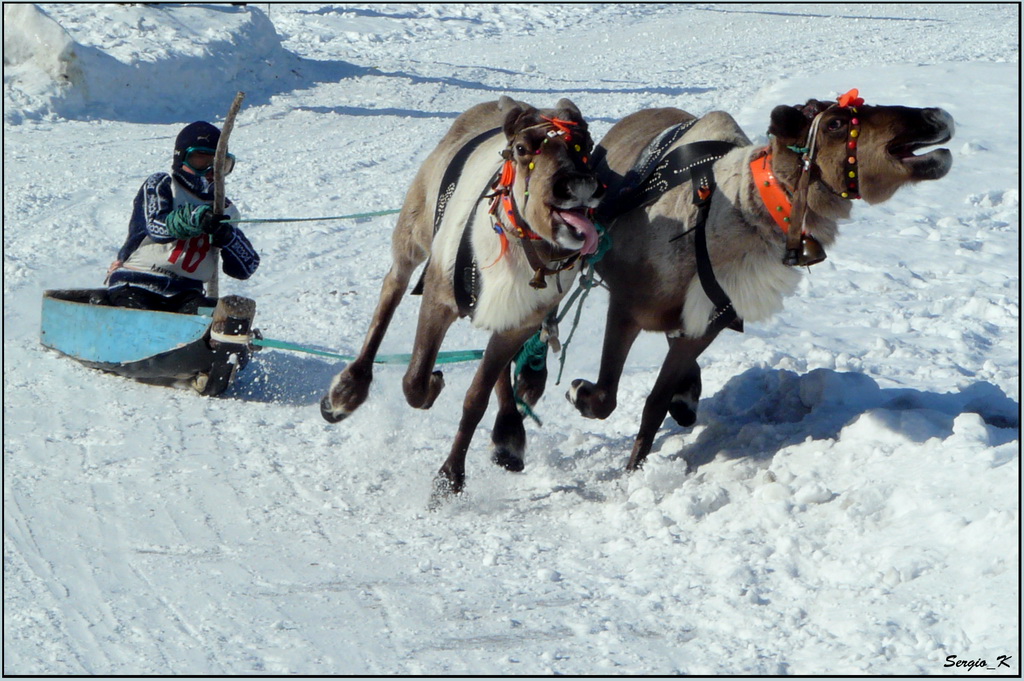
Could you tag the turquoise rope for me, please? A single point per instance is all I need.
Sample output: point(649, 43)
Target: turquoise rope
point(604, 244)
point(586, 283)
point(353, 216)
point(442, 357)
point(534, 353)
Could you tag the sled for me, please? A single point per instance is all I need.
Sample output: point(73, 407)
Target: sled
point(203, 350)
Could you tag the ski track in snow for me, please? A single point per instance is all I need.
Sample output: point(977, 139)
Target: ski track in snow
point(845, 504)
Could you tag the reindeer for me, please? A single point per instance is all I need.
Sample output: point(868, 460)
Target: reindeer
point(706, 228)
point(501, 209)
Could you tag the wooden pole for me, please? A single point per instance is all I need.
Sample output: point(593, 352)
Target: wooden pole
point(219, 160)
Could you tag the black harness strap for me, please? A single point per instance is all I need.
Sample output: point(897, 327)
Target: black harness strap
point(644, 185)
point(620, 189)
point(449, 181)
point(466, 273)
point(724, 314)
point(678, 166)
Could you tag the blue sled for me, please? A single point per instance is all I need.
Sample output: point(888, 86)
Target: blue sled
point(206, 349)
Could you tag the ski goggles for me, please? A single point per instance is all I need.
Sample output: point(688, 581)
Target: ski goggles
point(200, 160)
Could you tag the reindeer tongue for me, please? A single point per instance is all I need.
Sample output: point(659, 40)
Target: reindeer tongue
point(585, 227)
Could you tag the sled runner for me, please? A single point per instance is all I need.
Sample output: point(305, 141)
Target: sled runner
point(205, 350)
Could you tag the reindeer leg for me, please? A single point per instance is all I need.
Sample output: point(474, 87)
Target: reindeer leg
point(680, 366)
point(421, 383)
point(531, 381)
point(350, 388)
point(509, 435)
point(683, 405)
point(529, 387)
point(599, 401)
point(501, 348)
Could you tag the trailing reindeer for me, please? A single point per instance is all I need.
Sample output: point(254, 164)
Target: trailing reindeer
point(501, 209)
point(705, 228)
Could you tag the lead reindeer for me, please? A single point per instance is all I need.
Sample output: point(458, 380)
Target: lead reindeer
point(705, 227)
point(501, 208)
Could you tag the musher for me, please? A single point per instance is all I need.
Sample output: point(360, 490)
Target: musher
point(174, 236)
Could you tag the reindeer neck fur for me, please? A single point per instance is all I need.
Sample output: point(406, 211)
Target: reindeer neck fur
point(505, 300)
point(746, 244)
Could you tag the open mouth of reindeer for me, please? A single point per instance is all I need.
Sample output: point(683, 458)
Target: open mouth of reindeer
point(574, 230)
point(930, 165)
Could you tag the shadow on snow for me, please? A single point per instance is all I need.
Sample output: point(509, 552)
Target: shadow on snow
point(762, 411)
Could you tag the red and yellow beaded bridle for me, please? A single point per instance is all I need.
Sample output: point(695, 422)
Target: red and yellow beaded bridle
point(801, 247)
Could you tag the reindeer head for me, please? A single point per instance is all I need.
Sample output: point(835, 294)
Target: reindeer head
point(551, 184)
point(860, 151)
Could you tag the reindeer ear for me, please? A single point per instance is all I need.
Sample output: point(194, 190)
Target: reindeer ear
point(567, 110)
point(514, 119)
point(813, 107)
point(570, 110)
point(787, 122)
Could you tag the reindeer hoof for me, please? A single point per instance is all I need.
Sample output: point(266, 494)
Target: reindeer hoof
point(588, 400)
point(683, 411)
point(683, 405)
point(444, 490)
point(436, 386)
point(573, 394)
point(421, 394)
point(328, 413)
point(530, 385)
point(349, 389)
point(507, 459)
point(634, 466)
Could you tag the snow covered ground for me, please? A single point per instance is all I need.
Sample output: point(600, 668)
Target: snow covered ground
point(846, 504)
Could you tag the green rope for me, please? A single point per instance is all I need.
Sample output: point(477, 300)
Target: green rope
point(526, 410)
point(587, 282)
point(604, 244)
point(442, 357)
point(534, 353)
point(534, 356)
point(353, 216)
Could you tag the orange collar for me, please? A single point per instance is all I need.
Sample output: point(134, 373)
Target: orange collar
point(774, 196)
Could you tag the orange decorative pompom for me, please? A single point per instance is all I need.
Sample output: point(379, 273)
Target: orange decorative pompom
point(851, 98)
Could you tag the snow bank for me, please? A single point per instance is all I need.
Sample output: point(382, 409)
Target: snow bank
point(149, 63)
point(38, 56)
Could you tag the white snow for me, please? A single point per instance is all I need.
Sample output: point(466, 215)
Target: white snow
point(847, 503)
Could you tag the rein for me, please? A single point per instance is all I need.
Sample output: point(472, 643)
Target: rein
point(802, 249)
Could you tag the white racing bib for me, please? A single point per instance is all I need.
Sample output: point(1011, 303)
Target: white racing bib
point(192, 258)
